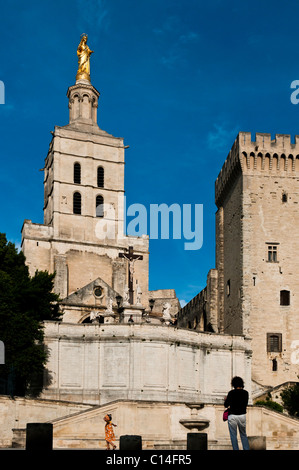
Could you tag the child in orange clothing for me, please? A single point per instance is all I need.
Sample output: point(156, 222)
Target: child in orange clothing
point(109, 433)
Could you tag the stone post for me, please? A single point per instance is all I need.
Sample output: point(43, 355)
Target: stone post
point(257, 442)
point(197, 441)
point(39, 436)
point(130, 442)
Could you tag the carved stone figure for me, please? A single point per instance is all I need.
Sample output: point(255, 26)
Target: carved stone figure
point(166, 313)
point(126, 296)
point(109, 305)
point(139, 293)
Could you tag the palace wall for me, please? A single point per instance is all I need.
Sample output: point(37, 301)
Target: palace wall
point(99, 363)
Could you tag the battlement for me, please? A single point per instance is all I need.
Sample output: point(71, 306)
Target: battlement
point(263, 155)
point(263, 141)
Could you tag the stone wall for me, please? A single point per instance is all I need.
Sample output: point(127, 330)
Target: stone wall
point(17, 412)
point(201, 313)
point(160, 424)
point(97, 364)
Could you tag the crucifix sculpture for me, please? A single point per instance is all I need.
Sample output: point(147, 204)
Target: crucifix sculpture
point(131, 258)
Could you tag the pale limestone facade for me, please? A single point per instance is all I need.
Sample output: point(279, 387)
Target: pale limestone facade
point(257, 220)
point(97, 364)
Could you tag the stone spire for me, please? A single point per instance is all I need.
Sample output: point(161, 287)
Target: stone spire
point(83, 103)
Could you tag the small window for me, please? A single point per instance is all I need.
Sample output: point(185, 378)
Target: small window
point(228, 288)
point(284, 197)
point(274, 365)
point(272, 253)
point(77, 173)
point(284, 297)
point(99, 206)
point(274, 342)
point(98, 291)
point(77, 203)
point(100, 177)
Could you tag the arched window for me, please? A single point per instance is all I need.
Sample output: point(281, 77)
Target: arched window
point(100, 177)
point(77, 173)
point(99, 206)
point(77, 203)
point(284, 297)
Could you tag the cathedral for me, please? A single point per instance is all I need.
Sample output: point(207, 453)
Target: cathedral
point(160, 369)
point(82, 239)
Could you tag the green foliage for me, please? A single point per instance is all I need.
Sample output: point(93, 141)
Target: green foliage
point(24, 303)
point(273, 405)
point(290, 398)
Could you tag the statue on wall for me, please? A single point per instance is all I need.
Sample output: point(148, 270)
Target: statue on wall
point(109, 309)
point(166, 313)
point(139, 294)
point(94, 316)
point(126, 296)
point(83, 53)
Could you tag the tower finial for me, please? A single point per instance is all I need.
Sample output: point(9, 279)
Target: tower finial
point(83, 53)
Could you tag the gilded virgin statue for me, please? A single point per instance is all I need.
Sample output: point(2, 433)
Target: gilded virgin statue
point(83, 53)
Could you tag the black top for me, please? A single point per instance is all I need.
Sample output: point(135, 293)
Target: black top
point(237, 400)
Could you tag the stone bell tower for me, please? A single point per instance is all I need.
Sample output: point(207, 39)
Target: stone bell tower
point(83, 231)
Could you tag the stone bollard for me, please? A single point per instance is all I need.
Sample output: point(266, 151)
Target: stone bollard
point(197, 441)
point(257, 442)
point(39, 436)
point(130, 443)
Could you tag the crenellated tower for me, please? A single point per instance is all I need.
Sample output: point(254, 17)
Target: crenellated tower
point(257, 196)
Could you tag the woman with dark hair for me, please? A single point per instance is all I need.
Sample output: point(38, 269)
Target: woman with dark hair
point(236, 402)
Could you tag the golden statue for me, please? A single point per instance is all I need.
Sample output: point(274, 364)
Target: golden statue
point(83, 53)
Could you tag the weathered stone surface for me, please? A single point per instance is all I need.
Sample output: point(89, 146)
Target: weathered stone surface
point(101, 363)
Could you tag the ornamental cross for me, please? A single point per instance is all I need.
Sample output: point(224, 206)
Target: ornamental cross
point(131, 258)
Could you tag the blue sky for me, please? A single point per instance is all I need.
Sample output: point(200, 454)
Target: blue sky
point(178, 81)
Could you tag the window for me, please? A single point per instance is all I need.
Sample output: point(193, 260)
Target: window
point(98, 291)
point(100, 177)
point(228, 288)
point(99, 206)
point(274, 342)
point(77, 173)
point(272, 253)
point(274, 365)
point(284, 197)
point(77, 203)
point(284, 297)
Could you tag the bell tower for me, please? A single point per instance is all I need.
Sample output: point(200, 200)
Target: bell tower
point(84, 170)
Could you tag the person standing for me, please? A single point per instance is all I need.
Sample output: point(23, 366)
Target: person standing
point(236, 402)
point(109, 432)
